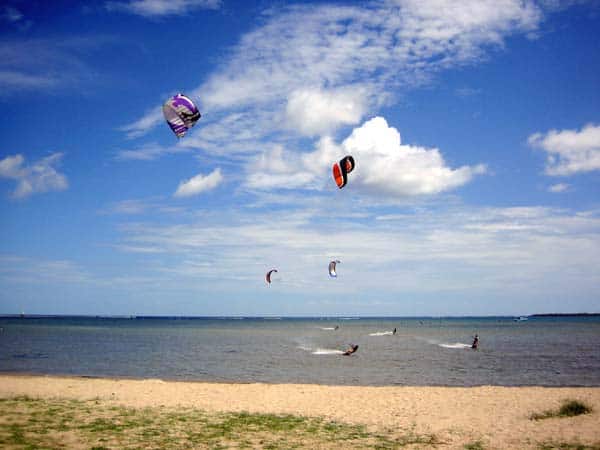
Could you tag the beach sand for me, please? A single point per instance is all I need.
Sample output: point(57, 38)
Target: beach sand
point(496, 417)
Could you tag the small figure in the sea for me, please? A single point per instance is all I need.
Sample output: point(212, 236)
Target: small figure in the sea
point(475, 343)
point(336, 327)
point(394, 332)
point(351, 350)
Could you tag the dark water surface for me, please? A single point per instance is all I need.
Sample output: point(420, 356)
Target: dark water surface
point(425, 351)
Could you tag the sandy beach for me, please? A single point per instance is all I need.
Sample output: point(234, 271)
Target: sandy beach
point(497, 417)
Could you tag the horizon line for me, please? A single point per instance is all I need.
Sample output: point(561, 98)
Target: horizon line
point(277, 316)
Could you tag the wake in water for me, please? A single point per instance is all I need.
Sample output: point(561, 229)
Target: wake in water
point(320, 351)
point(382, 333)
point(444, 344)
point(455, 345)
point(327, 351)
point(328, 328)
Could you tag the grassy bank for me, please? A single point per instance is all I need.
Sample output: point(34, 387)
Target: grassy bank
point(27, 423)
point(569, 408)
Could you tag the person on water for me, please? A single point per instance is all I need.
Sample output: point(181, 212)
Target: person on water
point(475, 343)
point(394, 332)
point(351, 350)
point(336, 327)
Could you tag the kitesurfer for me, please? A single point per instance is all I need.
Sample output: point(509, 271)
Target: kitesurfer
point(336, 327)
point(394, 332)
point(350, 350)
point(475, 343)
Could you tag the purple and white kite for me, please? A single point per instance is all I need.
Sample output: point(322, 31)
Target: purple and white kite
point(181, 114)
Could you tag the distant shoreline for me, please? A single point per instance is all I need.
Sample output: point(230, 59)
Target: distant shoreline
point(566, 315)
point(274, 317)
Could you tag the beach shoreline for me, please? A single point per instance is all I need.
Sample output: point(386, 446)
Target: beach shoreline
point(497, 416)
point(275, 383)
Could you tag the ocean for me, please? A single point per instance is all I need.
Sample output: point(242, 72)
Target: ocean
point(540, 351)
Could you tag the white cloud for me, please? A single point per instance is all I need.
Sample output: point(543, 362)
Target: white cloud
point(235, 133)
point(198, 184)
point(374, 46)
point(570, 151)
point(38, 177)
point(160, 8)
point(317, 112)
point(277, 168)
point(525, 252)
point(12, 80)
point(384, 166)
point(16, 269)
point(534, 256)
point(10, 167)
point(155, 205)
point(322, 66)
point(559, 187)
point(141, 126)
point(148, 152)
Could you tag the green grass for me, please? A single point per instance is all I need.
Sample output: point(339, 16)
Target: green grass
point(573, 408)
point(27, 423)
point(477, 445)
point(568, 446)
point(569, 408)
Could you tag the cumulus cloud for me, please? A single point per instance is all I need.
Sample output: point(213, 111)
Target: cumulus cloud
point(38, 177)
point(198, 184)
point(317, 112)
point(383, 165)
point(388, 166)
point(569, 151)
point(160, 8)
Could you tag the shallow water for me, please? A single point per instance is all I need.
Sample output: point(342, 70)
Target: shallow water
point(424, 351)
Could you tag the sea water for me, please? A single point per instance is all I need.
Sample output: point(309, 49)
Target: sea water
point(562, 351)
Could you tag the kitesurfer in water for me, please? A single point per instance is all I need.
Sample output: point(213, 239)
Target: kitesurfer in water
point(394, 332)
point(351, 350)
point(336, 327)
point(475, 343)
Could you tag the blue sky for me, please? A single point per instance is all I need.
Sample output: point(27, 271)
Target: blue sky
point(475, 127)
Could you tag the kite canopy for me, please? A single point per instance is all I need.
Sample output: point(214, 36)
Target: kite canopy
point(341, 170)
point(332, 265)
point(181, 114)
point(268, 276)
